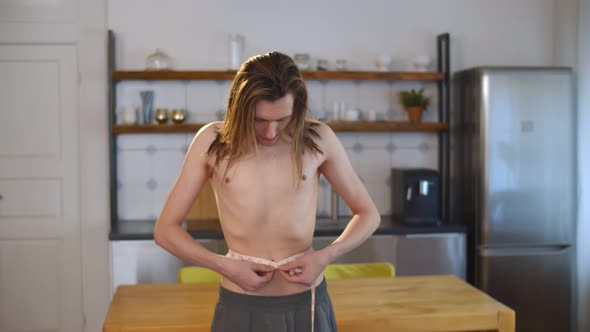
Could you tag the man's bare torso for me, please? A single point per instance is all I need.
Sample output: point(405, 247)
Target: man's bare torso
point(264, 212)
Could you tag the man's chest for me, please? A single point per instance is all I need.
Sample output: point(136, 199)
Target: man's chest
point(268, 176)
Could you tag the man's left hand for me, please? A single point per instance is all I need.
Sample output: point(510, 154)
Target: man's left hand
point(305, 269)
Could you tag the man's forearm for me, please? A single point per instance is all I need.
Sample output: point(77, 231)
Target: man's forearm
point(358, 230)
point(180, 243)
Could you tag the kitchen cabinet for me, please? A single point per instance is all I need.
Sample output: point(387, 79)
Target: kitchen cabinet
point(411, 254)
point(435, 253)
point(377, 248)
point(143, 261)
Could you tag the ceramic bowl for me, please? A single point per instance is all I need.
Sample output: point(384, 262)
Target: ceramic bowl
point(383, 62)
point(421, 62)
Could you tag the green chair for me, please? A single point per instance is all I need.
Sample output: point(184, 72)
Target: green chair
point(364, 270)
point(196, 274)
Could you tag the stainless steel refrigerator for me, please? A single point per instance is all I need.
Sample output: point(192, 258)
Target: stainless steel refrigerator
point(513, 182)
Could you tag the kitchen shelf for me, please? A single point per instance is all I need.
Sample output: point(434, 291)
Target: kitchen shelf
point(377, 126)
point(178, 75)
point(387, 126)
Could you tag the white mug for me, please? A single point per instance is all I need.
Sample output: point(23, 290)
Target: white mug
point(129, 115)
point(370, 115)
point(351, 115)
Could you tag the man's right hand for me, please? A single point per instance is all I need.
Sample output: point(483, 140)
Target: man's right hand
point(247, 275)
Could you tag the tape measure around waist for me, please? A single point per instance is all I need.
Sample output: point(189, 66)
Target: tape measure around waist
point(258, 260)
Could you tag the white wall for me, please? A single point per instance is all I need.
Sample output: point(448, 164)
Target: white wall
point(584, 166)
point(566, 33)
point(500, 32)
point(94, 171)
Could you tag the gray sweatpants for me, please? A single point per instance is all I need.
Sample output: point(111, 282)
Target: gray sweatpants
point(235, 312)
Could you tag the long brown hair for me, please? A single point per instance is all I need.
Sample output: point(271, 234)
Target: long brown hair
point(265, 77)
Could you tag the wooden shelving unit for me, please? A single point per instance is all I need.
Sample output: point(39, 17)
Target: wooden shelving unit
point(377, 126)
point(441, 77)
point(187, 75)
point(194, 75)
point(385, 126)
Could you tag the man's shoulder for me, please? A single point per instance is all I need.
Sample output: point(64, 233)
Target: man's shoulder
point(209, 131)
point(211, 128)
point(207, 134)
point(325, 134)
point(319, 127)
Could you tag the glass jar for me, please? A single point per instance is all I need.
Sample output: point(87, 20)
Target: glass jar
point(322, 64)
point(302, 61)
point(341, 64)
point(158, 61)
point(236, 50)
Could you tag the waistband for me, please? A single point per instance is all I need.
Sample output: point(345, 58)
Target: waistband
point(282, 302)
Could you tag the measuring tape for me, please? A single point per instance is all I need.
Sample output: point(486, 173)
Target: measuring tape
point(258, 260)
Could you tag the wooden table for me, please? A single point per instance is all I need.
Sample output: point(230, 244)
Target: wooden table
point(425, 303)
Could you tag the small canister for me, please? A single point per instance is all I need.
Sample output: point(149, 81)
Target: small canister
point(351, 115)
point(302, 60)
point(236, 50)
point(128, 115)
point(161, 115)
point(370, 115)
point(178, 115)
point(322, 64)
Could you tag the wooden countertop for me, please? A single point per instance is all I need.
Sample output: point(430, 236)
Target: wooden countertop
point(424, 303)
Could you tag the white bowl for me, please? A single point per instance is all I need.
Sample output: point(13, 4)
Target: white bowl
point(383, 62)
point(351, 115)
point(421, 62)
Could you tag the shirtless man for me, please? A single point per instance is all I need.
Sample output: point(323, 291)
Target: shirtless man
point(264, 162)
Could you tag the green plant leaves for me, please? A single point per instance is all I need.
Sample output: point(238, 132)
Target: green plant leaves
point(412, 98)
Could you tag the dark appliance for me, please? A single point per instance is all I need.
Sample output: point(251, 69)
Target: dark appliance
point(415, 196)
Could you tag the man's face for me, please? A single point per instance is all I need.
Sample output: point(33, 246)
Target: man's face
point(271, 118)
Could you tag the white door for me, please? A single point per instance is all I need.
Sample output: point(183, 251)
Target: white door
point(40, 259)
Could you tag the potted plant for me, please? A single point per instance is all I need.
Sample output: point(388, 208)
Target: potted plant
point(414, 102)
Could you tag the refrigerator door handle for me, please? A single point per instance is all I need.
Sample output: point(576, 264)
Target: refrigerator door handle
point(528, 251)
